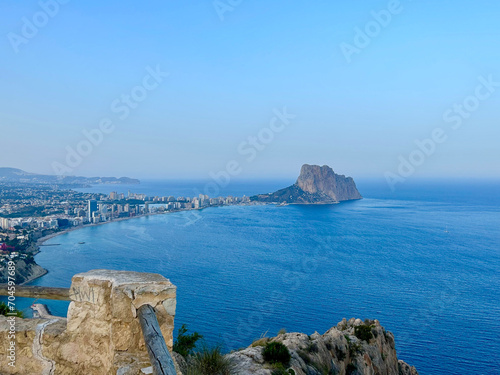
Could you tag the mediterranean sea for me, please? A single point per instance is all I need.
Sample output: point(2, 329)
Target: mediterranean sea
point(423, 260)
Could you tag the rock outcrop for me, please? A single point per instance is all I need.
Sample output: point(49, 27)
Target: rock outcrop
point(319, 185)
point(26, 270)
point(339, 351)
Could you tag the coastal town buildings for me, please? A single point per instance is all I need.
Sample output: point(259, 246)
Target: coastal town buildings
point(30, 211)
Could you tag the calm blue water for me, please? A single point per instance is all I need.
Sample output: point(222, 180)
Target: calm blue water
point(244, 271)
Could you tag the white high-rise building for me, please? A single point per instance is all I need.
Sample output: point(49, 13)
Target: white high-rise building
point(4, 223)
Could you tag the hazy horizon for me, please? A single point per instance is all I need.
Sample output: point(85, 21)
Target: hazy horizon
point(277, 178)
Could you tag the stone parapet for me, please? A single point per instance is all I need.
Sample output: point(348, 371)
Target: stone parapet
point(102, 334)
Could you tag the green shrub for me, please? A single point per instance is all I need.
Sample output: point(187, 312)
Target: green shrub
point(209, 362)
point(4, 310)
point(275, 352)
point(363, 332)
point(185, 343)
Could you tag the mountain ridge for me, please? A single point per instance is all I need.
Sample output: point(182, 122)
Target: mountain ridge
point(8, 174)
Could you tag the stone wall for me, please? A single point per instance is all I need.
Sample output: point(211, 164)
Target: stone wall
point(101, 334)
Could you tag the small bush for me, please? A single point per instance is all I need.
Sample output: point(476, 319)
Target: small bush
point(4, 310)
point(185, 343)
point(275, 352)
point(363, 332)
point(282, 331)
point(209, 362)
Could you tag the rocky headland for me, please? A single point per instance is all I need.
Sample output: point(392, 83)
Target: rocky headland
point(315, 185)
point(353, 347)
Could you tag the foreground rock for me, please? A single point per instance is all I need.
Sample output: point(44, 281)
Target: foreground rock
point(338, 351)
point(102, 333)
point(320, 185)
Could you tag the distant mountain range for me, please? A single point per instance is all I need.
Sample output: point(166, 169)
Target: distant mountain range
point(20, 176)
point(315, 185)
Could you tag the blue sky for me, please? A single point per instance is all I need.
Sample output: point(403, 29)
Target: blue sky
point(228, 77)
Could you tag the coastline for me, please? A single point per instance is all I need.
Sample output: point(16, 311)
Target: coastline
point(40, 242)
point(37, 276)
point(43, 239)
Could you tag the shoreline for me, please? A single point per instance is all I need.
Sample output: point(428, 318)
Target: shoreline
point(43, 239)
point(32, 278)
point(40, 242)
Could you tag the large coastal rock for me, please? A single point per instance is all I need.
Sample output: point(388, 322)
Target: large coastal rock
point(338, 351)
point(320, 185)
